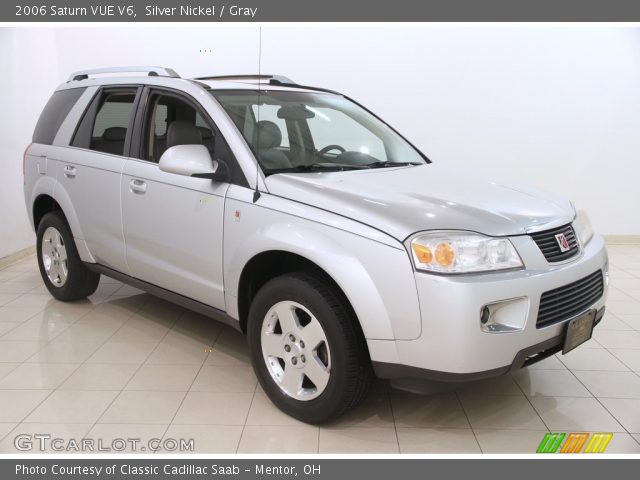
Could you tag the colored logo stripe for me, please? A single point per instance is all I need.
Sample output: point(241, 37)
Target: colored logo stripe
point(574, 443)
point(550, 442)
point(598, 442)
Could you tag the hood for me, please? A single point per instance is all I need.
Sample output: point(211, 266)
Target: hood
point(405, 200)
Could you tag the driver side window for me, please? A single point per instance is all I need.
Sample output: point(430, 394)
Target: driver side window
point(172, 121)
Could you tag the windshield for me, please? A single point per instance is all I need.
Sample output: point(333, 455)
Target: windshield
point(292, 131)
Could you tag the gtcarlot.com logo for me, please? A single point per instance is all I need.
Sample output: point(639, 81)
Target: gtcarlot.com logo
point(45, 442)
point(574, 442)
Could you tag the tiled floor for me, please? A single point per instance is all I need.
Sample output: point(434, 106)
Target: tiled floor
point(127, 365)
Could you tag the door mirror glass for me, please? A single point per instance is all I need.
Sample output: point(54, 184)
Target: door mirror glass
point(193, 161)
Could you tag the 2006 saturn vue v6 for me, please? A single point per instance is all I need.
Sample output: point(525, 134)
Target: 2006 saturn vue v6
point(299, 217)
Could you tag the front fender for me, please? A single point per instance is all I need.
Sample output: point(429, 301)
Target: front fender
point(376, 278)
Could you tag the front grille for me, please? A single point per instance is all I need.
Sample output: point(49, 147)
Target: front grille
point(549, 246)
point(568, 301)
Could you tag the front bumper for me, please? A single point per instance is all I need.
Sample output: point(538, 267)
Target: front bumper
point(453, 347)
point(523, 358)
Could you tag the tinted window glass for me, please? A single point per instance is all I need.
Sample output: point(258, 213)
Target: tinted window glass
point(112, 122)
point(171, 120)
point(115, 112)
point(105, 123)
point(160, 119)
point(200, 122)
point(166, 110)
point(54, 113)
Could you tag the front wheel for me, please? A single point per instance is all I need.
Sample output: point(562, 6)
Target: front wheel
point(307, 348)
point(61, 268)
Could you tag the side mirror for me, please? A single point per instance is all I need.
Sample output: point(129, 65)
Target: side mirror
point(193, 161)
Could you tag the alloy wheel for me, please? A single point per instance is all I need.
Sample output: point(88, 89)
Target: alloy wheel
point(295, 350)
point(54, 257)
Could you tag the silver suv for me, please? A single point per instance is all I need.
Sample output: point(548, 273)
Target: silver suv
point(299, 217)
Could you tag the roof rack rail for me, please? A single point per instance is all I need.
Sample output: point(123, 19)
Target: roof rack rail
point(273, 79)
point(150, 71)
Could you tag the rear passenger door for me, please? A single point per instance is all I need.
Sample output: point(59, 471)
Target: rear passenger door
point(90, 172)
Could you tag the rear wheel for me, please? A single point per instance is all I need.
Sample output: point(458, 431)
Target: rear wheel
point(61, 268)
point(307, 348)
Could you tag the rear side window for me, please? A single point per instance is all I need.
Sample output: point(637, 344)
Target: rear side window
point(115, 112)
point(106, 122)
point(54, 113)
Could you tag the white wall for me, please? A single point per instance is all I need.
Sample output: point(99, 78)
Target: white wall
point(556, 107)
point(553, 106)
point(29, 76)
point(38, 59)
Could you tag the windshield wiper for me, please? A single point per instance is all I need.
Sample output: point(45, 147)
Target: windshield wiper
point(314, 167)
point(324, 167)
point(387, 163)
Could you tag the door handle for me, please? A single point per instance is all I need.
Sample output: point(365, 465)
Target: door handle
point(138, 186)
point(69, 171)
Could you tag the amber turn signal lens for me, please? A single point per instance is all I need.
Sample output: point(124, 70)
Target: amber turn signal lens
point(444, 254)
point(423, 254)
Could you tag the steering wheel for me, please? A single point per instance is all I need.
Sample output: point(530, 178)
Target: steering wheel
point(328, 148)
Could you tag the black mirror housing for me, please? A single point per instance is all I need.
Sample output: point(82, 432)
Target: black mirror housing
point(221, 172)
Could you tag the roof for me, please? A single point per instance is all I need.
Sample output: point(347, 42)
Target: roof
point(166, 76)
point(249, 85)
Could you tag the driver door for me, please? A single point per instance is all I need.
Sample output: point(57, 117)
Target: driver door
point(172, 223)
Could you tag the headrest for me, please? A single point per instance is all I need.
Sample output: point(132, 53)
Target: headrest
point(181, 132)
point(206, 133)
point(267, 135)
point(114, 134)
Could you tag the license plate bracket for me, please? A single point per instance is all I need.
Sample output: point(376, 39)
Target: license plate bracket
point(579, 330)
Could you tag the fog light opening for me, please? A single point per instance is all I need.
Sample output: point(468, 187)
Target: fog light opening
point(484, 316)
point(504, 316)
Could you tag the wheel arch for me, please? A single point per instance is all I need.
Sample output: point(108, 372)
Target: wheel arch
point(58, 200)
point(43, 204)
point(270, 264)
point(377, 279)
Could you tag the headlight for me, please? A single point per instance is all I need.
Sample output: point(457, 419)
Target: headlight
point(462, 252)
point(582, 227)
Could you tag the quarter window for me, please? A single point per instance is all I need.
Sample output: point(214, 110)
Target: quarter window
point(54, 113)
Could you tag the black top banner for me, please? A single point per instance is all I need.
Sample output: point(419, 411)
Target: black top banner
point(320, 11)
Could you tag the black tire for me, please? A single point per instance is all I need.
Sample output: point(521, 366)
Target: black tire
point(80, 282)
point(351, 375)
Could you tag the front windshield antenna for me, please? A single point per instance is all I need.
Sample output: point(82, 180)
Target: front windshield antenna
point(256, 193)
